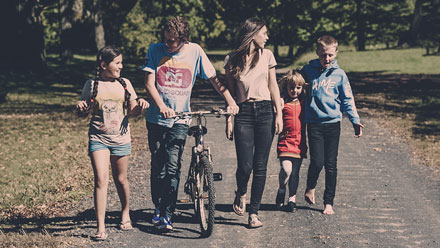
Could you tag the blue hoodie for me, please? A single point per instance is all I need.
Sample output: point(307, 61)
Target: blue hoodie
point(328, 95)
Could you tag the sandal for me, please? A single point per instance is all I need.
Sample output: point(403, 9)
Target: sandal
point(254, 221)
point(125, 226)
point(239, 205)
point(100, 236)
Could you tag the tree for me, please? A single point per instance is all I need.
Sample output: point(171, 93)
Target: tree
point(24, 42)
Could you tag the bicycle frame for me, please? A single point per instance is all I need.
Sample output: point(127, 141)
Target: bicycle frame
point(199, 184)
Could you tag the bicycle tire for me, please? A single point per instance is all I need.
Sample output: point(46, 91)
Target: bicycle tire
point(205, 210)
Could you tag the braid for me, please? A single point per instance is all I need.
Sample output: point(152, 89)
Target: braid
point(94, 90)
point(126, 94)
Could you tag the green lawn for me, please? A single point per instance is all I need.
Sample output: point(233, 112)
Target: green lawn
point(411, 61)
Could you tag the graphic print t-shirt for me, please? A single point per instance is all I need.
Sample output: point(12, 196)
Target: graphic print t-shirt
point(109, 125)
point(175, 77)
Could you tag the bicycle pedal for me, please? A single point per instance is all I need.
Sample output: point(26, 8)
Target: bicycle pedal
point(217, 176)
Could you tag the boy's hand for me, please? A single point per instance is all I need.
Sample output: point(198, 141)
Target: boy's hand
point(143, 103)
point(358, 130)
point(167, 112)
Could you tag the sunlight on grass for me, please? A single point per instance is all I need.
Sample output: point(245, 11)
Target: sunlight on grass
point(48, 154)
point(410, 61)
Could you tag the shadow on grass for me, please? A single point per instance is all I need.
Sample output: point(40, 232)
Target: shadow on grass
point(404, 94)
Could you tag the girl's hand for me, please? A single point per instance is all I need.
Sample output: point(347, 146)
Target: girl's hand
point(81, 105)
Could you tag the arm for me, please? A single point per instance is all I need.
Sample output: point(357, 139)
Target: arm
point(150, 80)
point(231, 88)
point(222, 90)
point(82, 104)
point(275, 95)
point(137, 105)
point(349, 107)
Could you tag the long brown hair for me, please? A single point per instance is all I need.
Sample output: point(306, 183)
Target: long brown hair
point(237, 58)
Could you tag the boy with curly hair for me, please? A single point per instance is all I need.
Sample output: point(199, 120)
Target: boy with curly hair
point(171, 68)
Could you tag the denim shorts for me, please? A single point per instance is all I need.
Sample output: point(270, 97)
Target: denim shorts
point(120, 150)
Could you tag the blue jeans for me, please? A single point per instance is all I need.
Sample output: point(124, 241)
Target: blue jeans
point(323, 146)
point(166, 147)
point(254, 131)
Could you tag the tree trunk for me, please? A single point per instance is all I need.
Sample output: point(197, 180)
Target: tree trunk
point(290, 52)
point(99, 27)
point(361, 26)
point(71, 11)
point(415, 23)
point(24, 38)
point(276, 51)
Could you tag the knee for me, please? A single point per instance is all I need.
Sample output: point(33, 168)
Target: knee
point(121, 179)
point(331, 170)
point(101, 181)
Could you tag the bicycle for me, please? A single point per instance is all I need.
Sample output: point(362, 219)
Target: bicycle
point(199, 183)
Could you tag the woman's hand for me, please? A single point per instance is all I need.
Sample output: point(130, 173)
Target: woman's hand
point(233, 109)
point(278, 124)
point(229, 128)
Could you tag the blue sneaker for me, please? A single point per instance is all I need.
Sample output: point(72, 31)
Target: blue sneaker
point(156, 217)
point(166, 225)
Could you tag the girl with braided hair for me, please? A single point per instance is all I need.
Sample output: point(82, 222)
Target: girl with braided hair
point(111, 99)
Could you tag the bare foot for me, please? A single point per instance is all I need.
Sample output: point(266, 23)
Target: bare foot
point(309, 196)
point(328, 209)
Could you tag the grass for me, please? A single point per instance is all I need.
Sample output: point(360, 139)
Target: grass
point(45, 167)
point(408, 61)
point(411, 61)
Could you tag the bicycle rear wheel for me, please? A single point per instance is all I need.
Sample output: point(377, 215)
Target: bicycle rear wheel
point(205, 201)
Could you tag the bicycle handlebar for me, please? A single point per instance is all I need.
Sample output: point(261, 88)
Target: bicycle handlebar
point(213, 112)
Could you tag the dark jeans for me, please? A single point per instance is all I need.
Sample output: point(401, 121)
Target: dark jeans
point(323, 145)
point(166, 147)
point(254, 132)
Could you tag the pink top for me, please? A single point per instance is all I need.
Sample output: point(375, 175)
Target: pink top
point(254, 84)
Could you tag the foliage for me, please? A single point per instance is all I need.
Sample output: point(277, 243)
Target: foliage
point(136, 34)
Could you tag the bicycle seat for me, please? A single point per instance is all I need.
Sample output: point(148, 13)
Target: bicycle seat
point(192, 131)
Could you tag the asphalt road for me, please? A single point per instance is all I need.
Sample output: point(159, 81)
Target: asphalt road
point(384, 198)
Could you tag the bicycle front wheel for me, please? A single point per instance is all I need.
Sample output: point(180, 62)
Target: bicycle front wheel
point(205, 202)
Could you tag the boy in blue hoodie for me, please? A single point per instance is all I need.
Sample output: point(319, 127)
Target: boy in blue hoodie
point(329, 95)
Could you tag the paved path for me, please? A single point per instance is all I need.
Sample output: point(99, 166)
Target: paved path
point(384, 199)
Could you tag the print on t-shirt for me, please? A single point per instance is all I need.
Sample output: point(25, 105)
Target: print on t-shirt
point(111, 114)
point(174, 78)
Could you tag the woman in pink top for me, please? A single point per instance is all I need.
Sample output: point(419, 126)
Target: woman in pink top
point(250, 74)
